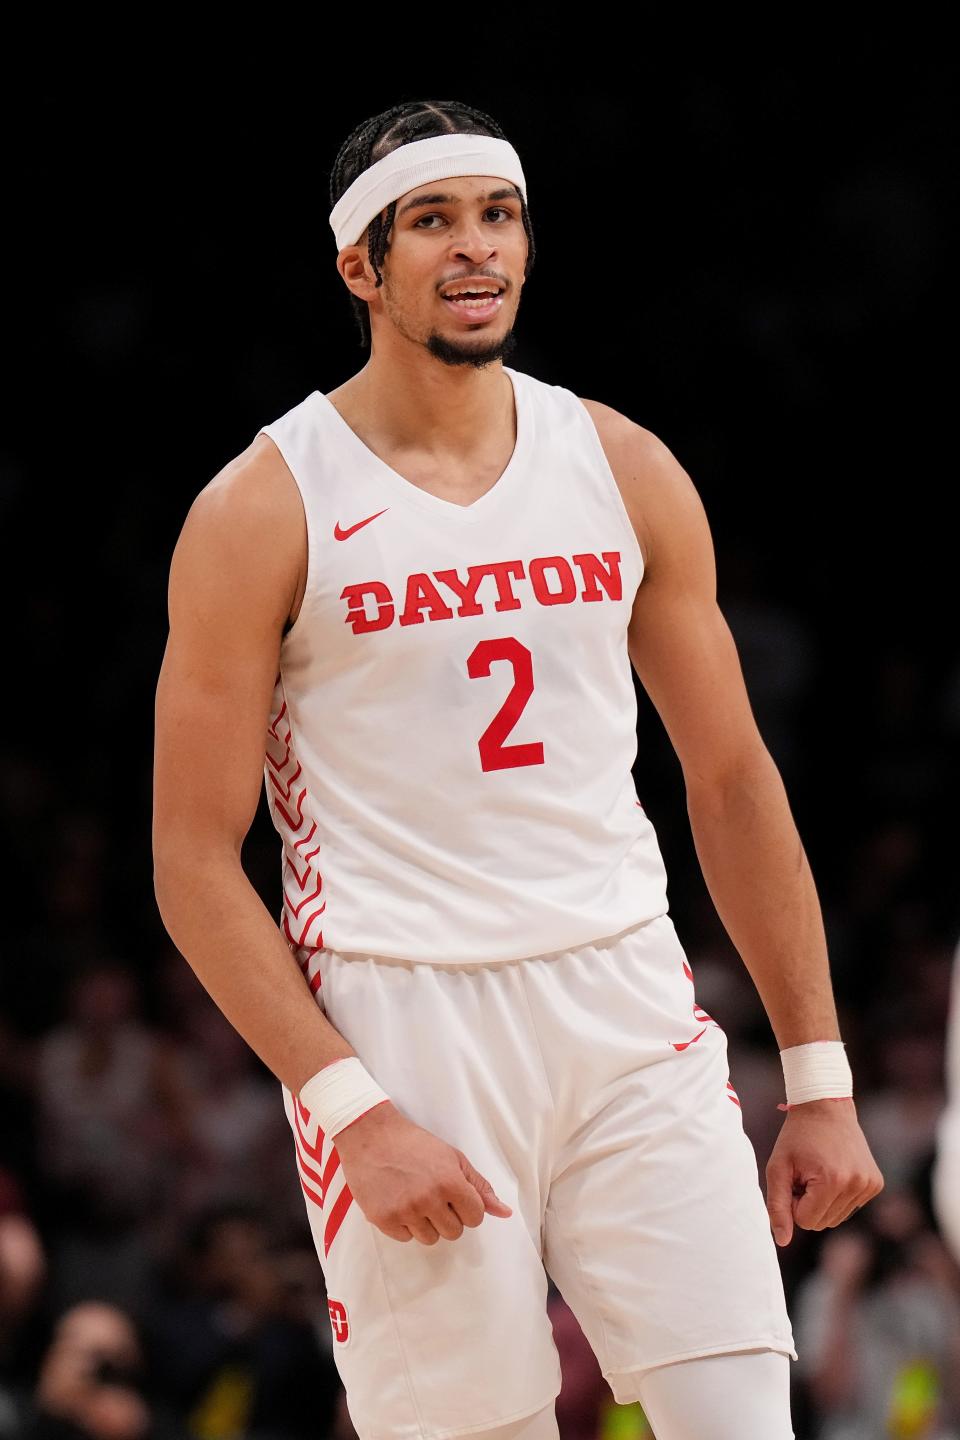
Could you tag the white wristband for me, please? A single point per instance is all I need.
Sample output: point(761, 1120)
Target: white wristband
point(818, 1071)
point(339, 1094)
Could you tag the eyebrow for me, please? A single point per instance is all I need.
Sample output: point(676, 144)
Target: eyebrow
point(510, 192)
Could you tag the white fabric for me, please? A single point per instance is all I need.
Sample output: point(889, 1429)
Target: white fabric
point(540, 1426)
point(450, 741)
point(439, 158)
point(594, 1094)
point(817, 1071)
point(720, 1397)
point(339, 1094)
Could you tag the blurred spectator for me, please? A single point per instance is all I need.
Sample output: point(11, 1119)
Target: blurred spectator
point(900, 1118)
point(22, 1273)
point(237, 1142)
point(234, 1340)
point(236, 1118)
point(17, 1103)
point(111, 1118)
point(877, 1328)
point(90, 1380)
point(105, 1094)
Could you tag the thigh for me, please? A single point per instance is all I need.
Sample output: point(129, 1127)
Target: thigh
point(656, 1230)
point(430, 1340)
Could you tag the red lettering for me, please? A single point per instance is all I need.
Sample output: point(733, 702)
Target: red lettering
point(466, 592)
point(422, 595)
point(501, 572)
point(568, 586)
point(593, 571)
point(357, 616)
point(601, 579)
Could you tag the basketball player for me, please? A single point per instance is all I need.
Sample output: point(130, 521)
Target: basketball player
point(421, 594)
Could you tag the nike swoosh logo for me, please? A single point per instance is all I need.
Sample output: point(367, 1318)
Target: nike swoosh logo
point(685, 1044)
point(339, 534)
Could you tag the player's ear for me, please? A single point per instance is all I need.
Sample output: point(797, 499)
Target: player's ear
point(355, 269)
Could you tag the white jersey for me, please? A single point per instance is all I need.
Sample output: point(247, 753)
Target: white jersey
point(448, 758)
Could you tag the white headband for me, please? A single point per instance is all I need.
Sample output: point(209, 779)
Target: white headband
point(439, 158)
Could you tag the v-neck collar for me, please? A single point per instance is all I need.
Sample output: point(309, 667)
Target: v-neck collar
point(423, 498)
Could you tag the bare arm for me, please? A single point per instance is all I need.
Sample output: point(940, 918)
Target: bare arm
point(233, 577)
point(752, 859)
point(751, 855)
point(233, 580)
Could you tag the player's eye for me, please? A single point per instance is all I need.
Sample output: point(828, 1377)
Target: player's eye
point(491, 210)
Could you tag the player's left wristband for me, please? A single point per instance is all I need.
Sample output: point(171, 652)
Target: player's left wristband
point(817, 1071)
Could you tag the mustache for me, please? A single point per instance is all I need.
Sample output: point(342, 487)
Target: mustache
point(475, 275)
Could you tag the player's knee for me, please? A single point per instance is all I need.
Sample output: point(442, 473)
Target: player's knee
point(736, 1396)
point(541, 1426)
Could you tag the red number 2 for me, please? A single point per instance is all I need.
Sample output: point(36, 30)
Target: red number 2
point(494, 755)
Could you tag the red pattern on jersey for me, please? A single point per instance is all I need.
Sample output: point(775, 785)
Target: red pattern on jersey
point(283, 772)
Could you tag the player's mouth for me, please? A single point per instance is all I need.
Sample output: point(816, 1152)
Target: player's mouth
point(474, 303)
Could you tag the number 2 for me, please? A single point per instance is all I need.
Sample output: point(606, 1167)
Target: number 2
point(494, 755)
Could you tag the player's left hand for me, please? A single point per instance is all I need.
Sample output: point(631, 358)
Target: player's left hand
point(820, 1170)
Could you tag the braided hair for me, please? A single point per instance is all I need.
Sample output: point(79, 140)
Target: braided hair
point(369, 142)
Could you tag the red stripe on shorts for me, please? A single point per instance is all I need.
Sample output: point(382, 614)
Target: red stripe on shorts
point(342, 1205)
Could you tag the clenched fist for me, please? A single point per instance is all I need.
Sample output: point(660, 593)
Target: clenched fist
point(408, 1182)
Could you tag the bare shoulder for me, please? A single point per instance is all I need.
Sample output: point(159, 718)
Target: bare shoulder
point(658, 494)
point(254, 487)
point(249, 522)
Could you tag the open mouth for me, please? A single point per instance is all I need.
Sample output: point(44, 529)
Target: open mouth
point(475, 306)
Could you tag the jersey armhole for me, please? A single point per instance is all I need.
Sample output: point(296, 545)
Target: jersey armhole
point(309, 584)
point(611, 480)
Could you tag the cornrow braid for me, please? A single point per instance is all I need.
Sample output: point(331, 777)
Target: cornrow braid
point(376, 137)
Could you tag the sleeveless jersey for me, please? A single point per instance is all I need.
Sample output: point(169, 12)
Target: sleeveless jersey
point(449, 751)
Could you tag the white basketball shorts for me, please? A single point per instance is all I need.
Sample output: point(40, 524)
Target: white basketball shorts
point(594, 1094)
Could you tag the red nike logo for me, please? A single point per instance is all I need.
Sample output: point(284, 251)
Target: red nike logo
point(339, 534)
point(685, 1044)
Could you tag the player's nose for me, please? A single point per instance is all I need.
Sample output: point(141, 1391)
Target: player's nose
point(470, 239)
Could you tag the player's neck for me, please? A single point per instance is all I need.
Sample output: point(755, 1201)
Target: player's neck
point(425, 405)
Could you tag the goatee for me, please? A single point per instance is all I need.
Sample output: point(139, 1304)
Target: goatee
point(452, 353)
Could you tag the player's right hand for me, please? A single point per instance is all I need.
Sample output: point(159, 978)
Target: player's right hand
point(409, 1183)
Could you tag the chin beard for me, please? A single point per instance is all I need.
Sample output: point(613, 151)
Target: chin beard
point(477, 354)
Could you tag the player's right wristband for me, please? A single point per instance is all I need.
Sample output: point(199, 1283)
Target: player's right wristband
point(339, 1094)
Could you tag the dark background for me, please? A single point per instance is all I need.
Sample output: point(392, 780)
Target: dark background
point(751, 255)
point(753, 262)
